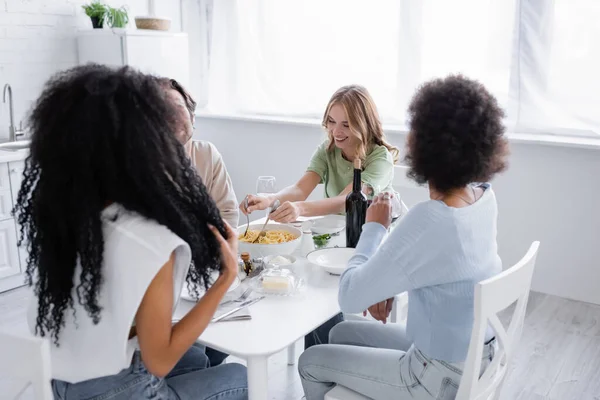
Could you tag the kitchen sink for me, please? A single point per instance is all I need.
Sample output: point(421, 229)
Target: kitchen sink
point(19, 145)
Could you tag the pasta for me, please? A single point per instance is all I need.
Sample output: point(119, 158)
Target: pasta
point(271, 237)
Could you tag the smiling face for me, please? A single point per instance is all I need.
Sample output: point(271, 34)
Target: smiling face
point(340, 132)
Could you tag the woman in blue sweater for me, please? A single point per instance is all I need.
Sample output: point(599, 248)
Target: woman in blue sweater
point(437, 254)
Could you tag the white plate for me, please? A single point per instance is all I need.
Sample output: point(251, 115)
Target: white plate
point(329, 224)
point(186, 295)
point(333, 259)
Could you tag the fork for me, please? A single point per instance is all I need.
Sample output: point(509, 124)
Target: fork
point(247, 216)
point(240, 299)
point(262, 231)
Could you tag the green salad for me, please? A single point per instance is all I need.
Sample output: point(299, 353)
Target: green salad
point(321, 240)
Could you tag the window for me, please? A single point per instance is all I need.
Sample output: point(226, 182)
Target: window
point(286, 58)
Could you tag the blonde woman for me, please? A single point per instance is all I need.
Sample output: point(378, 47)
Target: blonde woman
point(354, 131)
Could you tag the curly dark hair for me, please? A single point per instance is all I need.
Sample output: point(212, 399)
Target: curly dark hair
point(102, 136)
point(456, 134)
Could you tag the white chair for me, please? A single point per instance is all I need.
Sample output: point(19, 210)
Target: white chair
point(492, 296)
point(343, 393)
point(25, 362)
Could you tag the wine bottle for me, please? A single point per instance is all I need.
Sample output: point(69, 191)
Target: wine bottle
point(356, 209)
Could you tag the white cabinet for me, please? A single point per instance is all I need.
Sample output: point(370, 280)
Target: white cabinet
point(158, 53)
point(6, 202)
point(9, 256)
point(12, 258)
point(15, 171)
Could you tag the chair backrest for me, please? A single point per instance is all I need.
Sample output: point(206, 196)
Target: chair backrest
point(492, 296)
point(409, 190)
point(25, 362)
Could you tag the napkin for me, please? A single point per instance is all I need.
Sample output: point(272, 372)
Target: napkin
point(241, 315)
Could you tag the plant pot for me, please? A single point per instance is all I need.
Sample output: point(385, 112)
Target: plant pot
point(97, 22)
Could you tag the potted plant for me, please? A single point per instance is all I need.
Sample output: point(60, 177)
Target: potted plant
point(117, 17)
point(97, 13)
point(101, 14)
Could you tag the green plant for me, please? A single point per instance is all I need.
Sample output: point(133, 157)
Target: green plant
point(95, 9)
point(117, 17)
point(101, 13)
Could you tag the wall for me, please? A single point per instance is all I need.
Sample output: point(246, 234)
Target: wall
point(549, 194)
point(38, 38)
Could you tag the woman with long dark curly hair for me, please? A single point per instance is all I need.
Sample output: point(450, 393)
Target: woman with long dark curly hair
point(438, 252)
point(116, 221)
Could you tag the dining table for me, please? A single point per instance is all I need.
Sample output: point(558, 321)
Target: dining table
point(277, 322)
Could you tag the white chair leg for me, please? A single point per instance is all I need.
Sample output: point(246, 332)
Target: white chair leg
point(394, 313)
point(291, 350)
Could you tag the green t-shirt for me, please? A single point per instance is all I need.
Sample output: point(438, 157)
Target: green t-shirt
point(336, 172)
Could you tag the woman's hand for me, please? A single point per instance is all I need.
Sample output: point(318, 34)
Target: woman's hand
point(381, 311)
point(287, 212)
point(380, 210)
point(229, 250)
point(255, 203)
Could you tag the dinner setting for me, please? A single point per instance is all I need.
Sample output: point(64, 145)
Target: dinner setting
point(317, 200)
point(331, 270)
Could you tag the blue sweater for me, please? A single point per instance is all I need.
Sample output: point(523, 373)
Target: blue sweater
point(436, 253)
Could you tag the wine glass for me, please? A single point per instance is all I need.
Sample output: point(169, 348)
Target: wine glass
point(265, 185)
point(398, 208)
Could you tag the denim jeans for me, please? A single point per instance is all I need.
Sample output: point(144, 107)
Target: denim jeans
point(379, 362)
point(191, 379)
point(321, 334)
point(215, 357)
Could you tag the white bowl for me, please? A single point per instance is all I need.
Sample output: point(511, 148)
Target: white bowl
point(330, 224)
point(278, 249)
point(291, 260)
point(332, 259)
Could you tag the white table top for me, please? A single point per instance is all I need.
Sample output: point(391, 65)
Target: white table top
point(276, 321)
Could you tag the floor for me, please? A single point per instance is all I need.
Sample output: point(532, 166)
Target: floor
point(558, 357)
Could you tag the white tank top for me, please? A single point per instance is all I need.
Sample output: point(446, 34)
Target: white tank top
point(135, 249)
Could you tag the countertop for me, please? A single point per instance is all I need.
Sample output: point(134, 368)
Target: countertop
point(9, 156)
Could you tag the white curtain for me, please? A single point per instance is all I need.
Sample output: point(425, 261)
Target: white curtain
point(286, 57)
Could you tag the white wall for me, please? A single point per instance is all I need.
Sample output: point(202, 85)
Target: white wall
point(549, 194)
point(38, 39)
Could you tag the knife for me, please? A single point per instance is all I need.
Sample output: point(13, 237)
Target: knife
point(238, 308)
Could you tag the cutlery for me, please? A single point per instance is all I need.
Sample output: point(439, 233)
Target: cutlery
point(245, 304)
point(262, 231)
point(240, 299)
point(247, 216)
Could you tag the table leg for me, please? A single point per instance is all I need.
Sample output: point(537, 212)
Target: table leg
point(258, 382)
point(291, 350)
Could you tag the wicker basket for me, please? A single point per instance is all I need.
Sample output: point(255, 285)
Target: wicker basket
point(153, 23)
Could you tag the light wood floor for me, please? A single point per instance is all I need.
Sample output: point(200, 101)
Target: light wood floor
point(558, 357)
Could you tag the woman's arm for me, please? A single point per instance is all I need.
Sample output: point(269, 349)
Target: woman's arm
point(296, 192)
point(162, 345)
point(289, 211)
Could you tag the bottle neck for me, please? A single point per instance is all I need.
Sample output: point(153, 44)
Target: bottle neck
point(356, 184)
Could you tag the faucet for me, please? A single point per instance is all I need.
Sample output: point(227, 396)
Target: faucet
point(13, 132)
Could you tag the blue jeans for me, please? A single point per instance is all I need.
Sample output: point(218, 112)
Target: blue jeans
point(380, 362)
point(215, 357)
point(191, 379)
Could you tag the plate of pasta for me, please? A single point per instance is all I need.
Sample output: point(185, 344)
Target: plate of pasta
point(279, 240)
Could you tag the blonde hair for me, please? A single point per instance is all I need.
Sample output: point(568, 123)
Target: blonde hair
point(363, 120)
